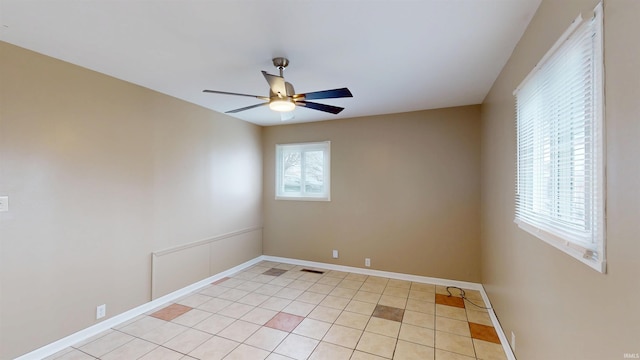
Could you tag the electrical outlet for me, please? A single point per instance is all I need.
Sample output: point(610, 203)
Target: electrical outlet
point(4, 203)
point(367, 262)
point(101, 311)
point(335, 254)
point(513, 341)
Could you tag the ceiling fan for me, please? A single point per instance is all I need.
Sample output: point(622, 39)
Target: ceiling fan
point(282, 97)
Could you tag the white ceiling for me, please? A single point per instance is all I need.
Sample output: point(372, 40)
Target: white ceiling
point(394, 55)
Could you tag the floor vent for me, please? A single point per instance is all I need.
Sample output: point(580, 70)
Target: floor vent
point(313, 271)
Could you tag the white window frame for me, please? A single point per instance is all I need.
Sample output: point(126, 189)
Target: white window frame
point(325, 147)
point(544, 194)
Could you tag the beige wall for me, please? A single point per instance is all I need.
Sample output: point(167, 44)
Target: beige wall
point(101, 173)
point(558, 307)
point(404, 192)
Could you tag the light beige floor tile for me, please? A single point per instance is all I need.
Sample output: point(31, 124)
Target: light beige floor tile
point(377, 280)
point(266, 338)
point(64, 351)
point(250, 286)
point(335, 302)
point(422, 296)
point(214, 305)
point(254, 299)
point(360, 307)
point(394, 291)
point(311, 276)
point(164, 333)
point(236, 310)
point(457, 327)
point(353, 320)
point(311, 297)
point(282, 281)
point(321, 289)
point(73, 354)
point(383, 327)
point(447, 355)
point(343, 292)
point(259, 316)
point(479, 317)
point(214, 349)
point(194, 300)
point(214, 290)
point(417, 334)
point(288, 293)
point(412, 351)
point(265, 278)
point(328, 280)
point(367, 296)
point(399, 283)
point(143, 325)
point(214, 324)
point(377, 288)
point(419, 319)
point(299, 308)
point(191, 317)
point(350, 284)
point(325, 314)
point(421, 306)
point(233, 294)
point(393, 301)
point(268, 289)
point(314, 329)
point(274, 356)
point(106, 343)
point(239, 331)
point(296, 347)
point(357, 277)
point(454, 343)
point(300, 284)
point(231, 282)
point(343, 336)
point(162, 353)
point(132, 350)
point(275, 303)
point(188, 341)
point(246, 352)
point(488, 351)
point(336, 274)
point(451, 312)
point(245, 275)
point(328, 351)
point(377, 344)
point(431, 288)
point(95, 337)
point(359, 355)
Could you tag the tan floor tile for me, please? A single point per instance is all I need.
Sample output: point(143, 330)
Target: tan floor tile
point(417, 334)
point(350, 284)
point(377, 288)
point(393, 301)
point(451, 312)
point(214, 324)
point(285, 322)
point(422, 296)
point(187, 341)
point(314, 329)
point(215, 348)
point(383, 327)
point(343, 336)
point(164, 333)
point(142, 326)
point(475, 296)
point(331, 281)
point(419, 319)
point(250, 286)
point(328, 351)
point(488, 351)
point(325, 314)
point(106, 343)
point(336, 274)
point(449, 300)
point(484, 332)
point(343, 292)
point(162, 353)
point(193, 300)
point(233, 295)
point(399, 283)
point(454, 343)
point(266, 338)
point(388, 312)
point(447, 355)
point(296, 347)
point(311, 297)
point(246, 352)
point(479, 317)
point(254, 299)
point(191, 317)
point(335, 302)
point(214, 290)
point(236, 310)
point(311, 277)
point(299, 308)
point(359, 355)
point(377, 280)
point(353, 320)
point(421, 306)
point(134, 349)
point(288, 293)
point(357, 277)
point(229, 282)
point(394, 291)
point(300, 285)
point(360, 307)
point(321, 289)
point(259, 316)
point(214, 305)
point(377, 344)
point(366, 296)
point(171, 312)
point(431, 288)
point(412, 351)
point(275, 303)
point(239, 331)
point(457, 327)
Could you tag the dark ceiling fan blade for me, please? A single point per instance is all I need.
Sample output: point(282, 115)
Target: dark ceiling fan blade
point(276, 83)
point(246, 108)
point(322, 107)
point(231, 93)
point(325, 94)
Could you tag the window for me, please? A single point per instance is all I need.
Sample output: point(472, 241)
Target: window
point(302, 171)
point(560, 151)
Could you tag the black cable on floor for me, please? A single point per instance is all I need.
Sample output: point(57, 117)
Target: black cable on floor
point(464, 297)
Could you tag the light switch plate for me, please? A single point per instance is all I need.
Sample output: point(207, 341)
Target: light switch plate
point(4, 203)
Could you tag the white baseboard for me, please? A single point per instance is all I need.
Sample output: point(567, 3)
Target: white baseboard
point(93, 330)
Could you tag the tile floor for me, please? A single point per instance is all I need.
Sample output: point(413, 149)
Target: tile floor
point(280, 312)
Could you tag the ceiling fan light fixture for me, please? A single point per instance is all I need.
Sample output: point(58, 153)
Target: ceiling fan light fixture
point(282, 105)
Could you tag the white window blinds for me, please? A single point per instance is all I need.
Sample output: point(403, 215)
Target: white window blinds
point(560, 170)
